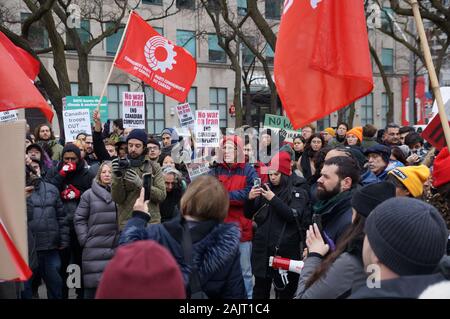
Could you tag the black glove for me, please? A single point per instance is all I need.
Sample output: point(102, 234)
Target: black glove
point(116, 168)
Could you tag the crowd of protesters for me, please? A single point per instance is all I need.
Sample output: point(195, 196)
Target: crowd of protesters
point(348, 202)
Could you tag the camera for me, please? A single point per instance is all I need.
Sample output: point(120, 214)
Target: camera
point(124, 163)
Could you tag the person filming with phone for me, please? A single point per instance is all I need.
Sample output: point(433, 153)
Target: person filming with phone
point(127, 179)
point(281, 211)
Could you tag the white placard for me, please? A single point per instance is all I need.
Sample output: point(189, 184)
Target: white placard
point(75, 122)
point(197, 169)
point(207, 130)
point(8, 116)
point(185, 115)
point(133, 110)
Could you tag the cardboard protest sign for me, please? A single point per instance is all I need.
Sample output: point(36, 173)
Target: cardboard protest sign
point(276, 123)
point(87, 102)
point(133, 110)
point(13, 217)
point(207, 130)
point(198, 168)
point(8, 116)
point(75, 122)
point(185, 115)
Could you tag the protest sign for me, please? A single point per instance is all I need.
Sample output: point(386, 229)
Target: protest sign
point(207, 130)
point(198, 168)
point(75, 122)
point(8, 116)
point(185, 115)
point(276, 123)
point(87, 102)
point(133, 110)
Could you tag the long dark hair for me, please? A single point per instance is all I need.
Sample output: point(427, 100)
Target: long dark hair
point(308, 148)
point(354, 232)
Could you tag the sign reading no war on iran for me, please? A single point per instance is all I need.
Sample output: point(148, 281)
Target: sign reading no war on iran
point(75, 122)
point(207, 130)
point(133, 110)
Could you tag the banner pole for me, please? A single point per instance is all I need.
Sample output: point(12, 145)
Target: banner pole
point(114, 61)
point(431, 71)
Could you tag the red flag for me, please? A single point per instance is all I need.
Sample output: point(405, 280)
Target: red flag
point(434, 133)
point(16, 89)
point(322, 60)
point(25, 60)
point(149, 56)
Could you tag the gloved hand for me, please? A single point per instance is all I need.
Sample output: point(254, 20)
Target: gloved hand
point(71, 192)
point(132, 177)
point(115, 167)
point(67, 168)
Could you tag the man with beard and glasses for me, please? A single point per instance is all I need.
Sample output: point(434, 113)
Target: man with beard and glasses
point(339, 176)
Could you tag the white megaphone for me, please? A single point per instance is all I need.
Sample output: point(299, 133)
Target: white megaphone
point(277, 262)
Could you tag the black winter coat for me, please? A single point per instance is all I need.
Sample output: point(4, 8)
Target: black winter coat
point(47, 222)
point(215, 252)
point(170, 207)
point(97, 230)
point(272, 218)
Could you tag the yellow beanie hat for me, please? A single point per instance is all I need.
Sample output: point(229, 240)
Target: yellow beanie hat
point(330, 131)
point(413, 177)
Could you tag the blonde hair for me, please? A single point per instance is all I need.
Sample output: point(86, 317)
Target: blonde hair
point(205, 198)
point(99, 172)
point(80, 144)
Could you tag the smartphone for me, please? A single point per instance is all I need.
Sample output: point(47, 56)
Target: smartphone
point(317, 219)
point(257, 182)
point(147, 184)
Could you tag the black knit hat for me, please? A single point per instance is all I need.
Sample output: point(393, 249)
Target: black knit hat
point(71, 148)
point(154, 142)
point(366, 198)
point(407, 235)
point(138, 134)
point(382, 150)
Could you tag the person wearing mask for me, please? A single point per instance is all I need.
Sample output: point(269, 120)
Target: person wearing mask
point(127, 178)
point(333, 275)
point(405, 242)
point(97, 228)
point(45, 134)
point(281, 211)
point(215, 245)
point(416, 150)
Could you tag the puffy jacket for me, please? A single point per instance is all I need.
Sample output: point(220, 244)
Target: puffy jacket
point(238, 181)
point(48, 224)
point(97, 230)
point(215, 252)
point(271, 218)
point(56, 150)
point(125, 193)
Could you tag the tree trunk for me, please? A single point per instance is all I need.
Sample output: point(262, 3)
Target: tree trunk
point(83, 74)
point(237, 97)
point(351, 115)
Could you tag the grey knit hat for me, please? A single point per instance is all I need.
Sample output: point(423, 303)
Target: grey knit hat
point(407, 235)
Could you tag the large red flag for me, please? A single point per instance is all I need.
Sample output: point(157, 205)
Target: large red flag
point(25, 60)
point(322, 60)
point(16, 89)
point(149, 56)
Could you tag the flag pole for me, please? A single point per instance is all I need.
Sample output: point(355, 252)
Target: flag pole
point(114, 61)
point(431, 71)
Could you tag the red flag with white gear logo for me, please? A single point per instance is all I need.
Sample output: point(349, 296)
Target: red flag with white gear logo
point(322, 59)
point(146, 54)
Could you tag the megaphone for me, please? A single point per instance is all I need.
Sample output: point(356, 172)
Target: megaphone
point(277, 262)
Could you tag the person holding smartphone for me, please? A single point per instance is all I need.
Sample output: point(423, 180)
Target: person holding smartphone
point(274, 207)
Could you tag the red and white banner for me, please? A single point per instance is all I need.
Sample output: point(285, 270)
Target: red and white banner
point(421, 101)
point(146, 54)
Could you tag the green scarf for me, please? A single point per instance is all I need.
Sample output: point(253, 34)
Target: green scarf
point(322, 206)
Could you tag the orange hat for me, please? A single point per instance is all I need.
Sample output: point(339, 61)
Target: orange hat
point(357, 131)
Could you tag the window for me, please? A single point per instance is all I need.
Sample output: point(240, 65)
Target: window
point(115, 99)
point(242, 7)
point(74, 88)
point(215, 52)
point(38, 36)
point(214, 5)
point(83, 32)
point(192, 99)
point(386, 21)
point(387, 59)
point(384, 109)
point(247, 56)
point(218, 101)
point(366, 110)
point(323, 123)
point(186, 39)
point(159, 30)
point(269, 54)
point(154, 2)
point(273, 9)
point(155, 110)
point(186, 4)
point(112, 42)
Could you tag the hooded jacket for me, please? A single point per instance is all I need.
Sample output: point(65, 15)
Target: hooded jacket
point(215, 252)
